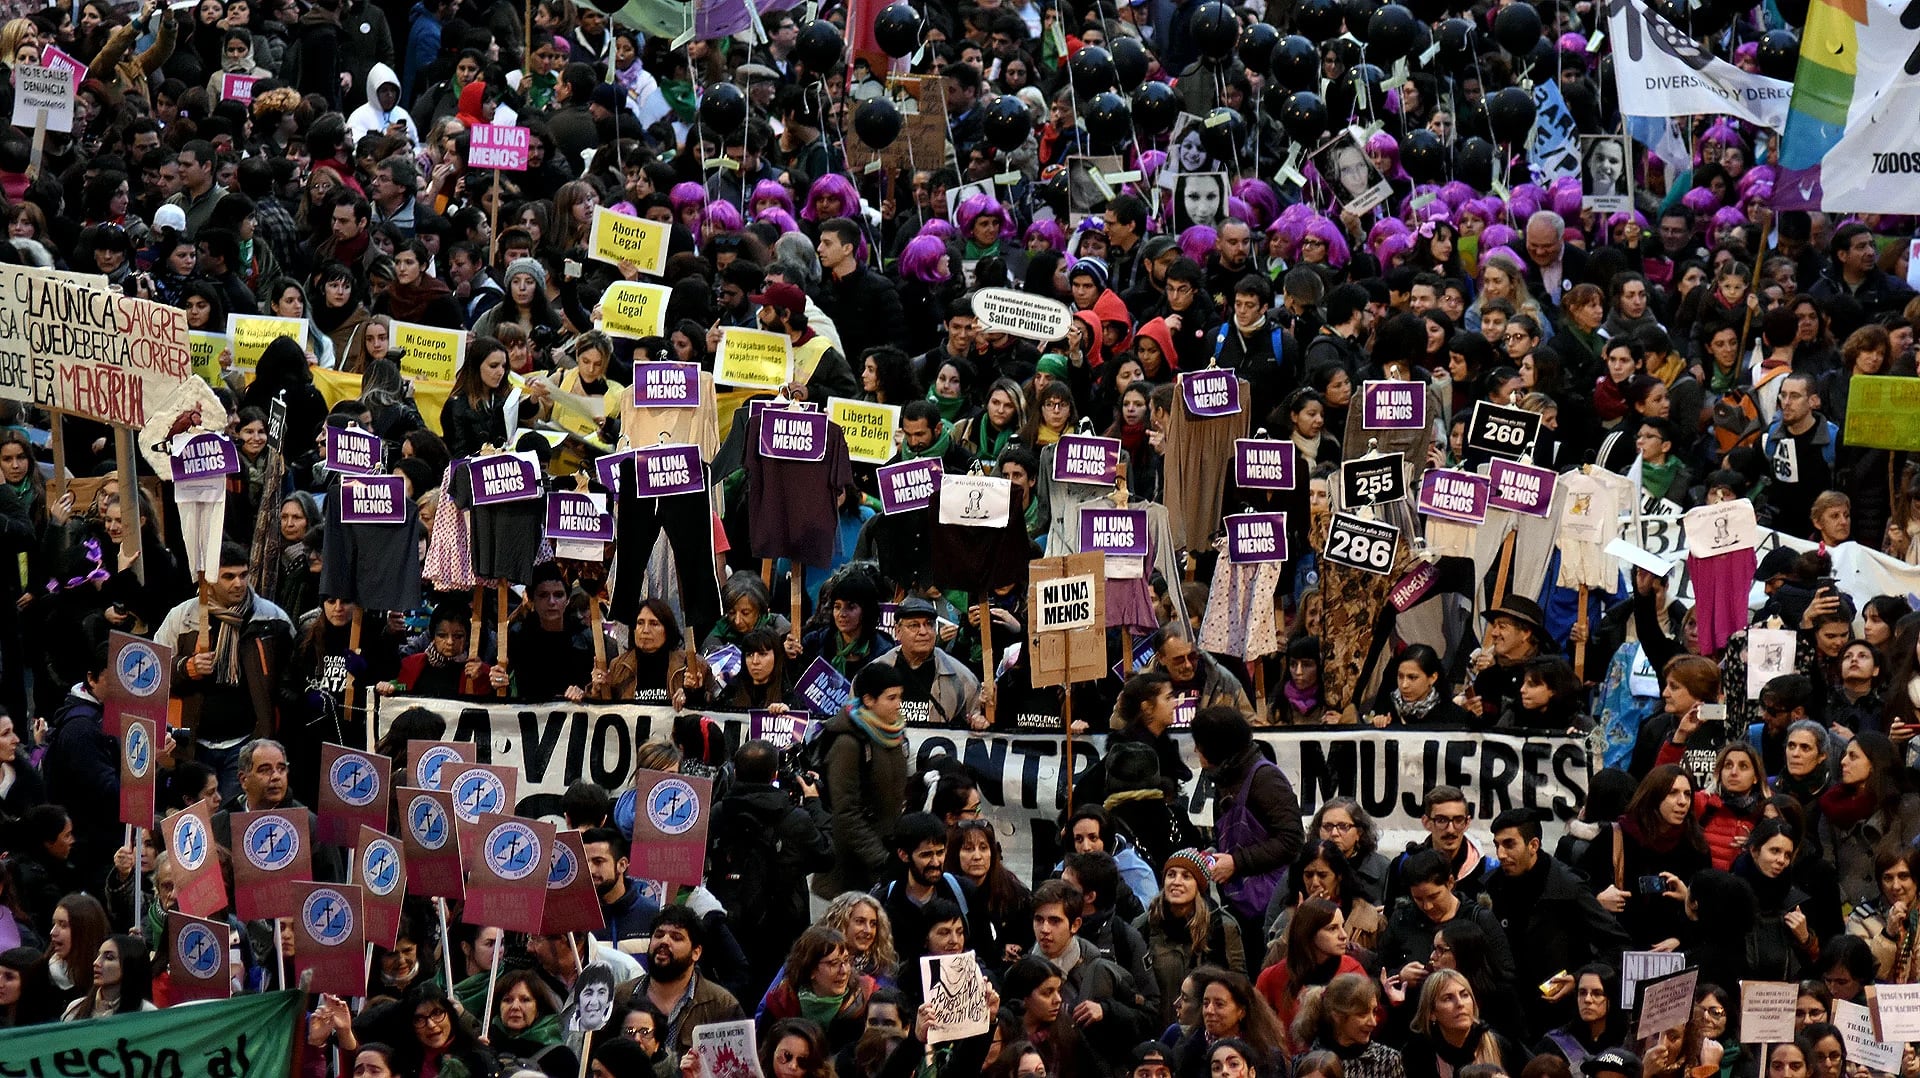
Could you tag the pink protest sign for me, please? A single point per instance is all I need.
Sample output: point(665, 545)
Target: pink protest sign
point(235, 87)
point(500, 146)
point(52, 56)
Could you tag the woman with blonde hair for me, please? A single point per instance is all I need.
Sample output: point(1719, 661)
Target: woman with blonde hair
point(859, 918)
point(1502, 277)
point(1338, 1020)
point(1447, 1029)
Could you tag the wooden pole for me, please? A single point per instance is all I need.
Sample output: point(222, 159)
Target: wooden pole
point(60, 455)
point(1580, 649)
point(797, 584)
point(766, 572)
point(446, 952)
point(39, 151)
point(1258, 667)
point(493, 219)
point(1066, 713)
point(986, 664)
point(353, 648)
point(502, 614)
point(1506, 567)
point(493, 980)
point(129, 501)
point(595, 621)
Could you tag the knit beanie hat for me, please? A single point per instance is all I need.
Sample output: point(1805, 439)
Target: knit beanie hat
point(531, 268)
point(1199, 862)
point(1053, 363)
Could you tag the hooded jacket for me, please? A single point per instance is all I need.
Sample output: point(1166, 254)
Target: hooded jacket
point(1155, 330)
point(866, 784)
point(370, 118)
point(1111, 308)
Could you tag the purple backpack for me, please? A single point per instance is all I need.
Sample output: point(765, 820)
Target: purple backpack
point(1236, 829)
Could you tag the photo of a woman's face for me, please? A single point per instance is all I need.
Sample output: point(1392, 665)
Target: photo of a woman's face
point(1193, 156)
point(1200, 198)
point(1606, 167)
point(1350, 169)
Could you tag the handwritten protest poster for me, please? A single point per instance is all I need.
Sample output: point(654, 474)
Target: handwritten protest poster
point(619, 237)
point(633, 309)
point(250, 334)
point(957, 991)
point(1637, 966)
point(1665, 1003)
point(753, 359)
point(432, 355)
point(1766, 1011)
point(1896, 1012)
point(66, 342)
point(1856, 1032)
point(727, 1050)
point(868, 428)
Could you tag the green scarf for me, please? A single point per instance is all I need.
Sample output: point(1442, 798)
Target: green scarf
point(950, 407)
point(1656, 478)
point(887, 736)
point(938, 448)
point(820, 1009)
point(992, 441)
point(845, 652)
point(974, 252)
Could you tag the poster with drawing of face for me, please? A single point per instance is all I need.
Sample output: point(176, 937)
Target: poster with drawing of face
point(1199, 198)
point(1357, 185)
point(1606, 178)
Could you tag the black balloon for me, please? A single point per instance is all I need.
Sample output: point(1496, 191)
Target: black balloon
point(1359, 15)
point(1390, 34)
point(1542, 62)
point(1517, 28)
point(1427, 11)
point(1222, 132)
point(723, 108)
point(1130, 63)
point(1510, 114)
point(1779, 54)
point(1092, 71)
point(1214, 29)
point(1108, 122)
point(1316, 20)
point(1456, 44)
point(877, 122)
point(1256, 46)
point(1304, 116)
point(897, 29)
point(1424, 156)
point(1358, 93)
point(819, 47)
point(1007, 123)
point(1473, 163)
point(1296, 63)
point(1155, 108)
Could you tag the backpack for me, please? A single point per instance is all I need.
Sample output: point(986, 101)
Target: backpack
point(1737, 419)
point(811, 755)
point(1220, 341)
point(959, 893)
point(745, 864)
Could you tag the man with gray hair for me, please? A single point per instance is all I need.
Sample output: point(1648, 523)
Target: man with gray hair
point(1552, 266)
point(394, 182)
point(264, 773)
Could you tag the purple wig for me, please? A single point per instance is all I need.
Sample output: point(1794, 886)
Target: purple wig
point(978, 204)
point(940, 228)
point(1238, 209)
point(1434, 210)
point(1701, 201)
point(1563, 197)
point(921, 260)
point(1392, 247)
point(779, 219)
point(1322, 229)
point(1457, 194)
point(831, 185)
point(1386, 226)
point(1263, 206)
point(1526, 200)
point(686, 195)
point(1497, 235)
point(1389, 147)
point(1758, 174)
point(1746, 52)
point(1627, 217)
point(722, 216)
point(1197, 242)
point(1048, 230)
point(771, 190)
point(1728, 217)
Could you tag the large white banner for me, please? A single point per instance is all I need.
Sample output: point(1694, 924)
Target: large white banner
point(1389, 772)
point(1660, 71)
point(1875, 166)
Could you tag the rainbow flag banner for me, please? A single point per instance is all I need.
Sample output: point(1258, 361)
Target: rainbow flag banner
point(1851, 145)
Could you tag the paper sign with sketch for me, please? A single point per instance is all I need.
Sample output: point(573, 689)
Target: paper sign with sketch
point(727, 1050)
point(958, 995)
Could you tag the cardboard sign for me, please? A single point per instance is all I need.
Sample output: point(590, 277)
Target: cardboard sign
point(572, 905)
point(1263, 464)
point(1766, 1011)
point(481, 790)
point(355, 786)
point(825, 690)
point(508, 860)
point(1896, 1012)
point(1063, 604)
point(197, 958)
point(1086, 458)
point(1212, 392)
point(428, 842)
point(1366, 545)
point(353, 451)
point(1880, 409)
point(504, 477)
point(373, 499)
point(1502, 431)
point(664, 470)
point(908, 485)
point(502, 146)
point(1393, 405)
point(1062, 657)
point(250, 335)
point(1256, 537)
point(1863, 1048)
point(1021, 314)
point(380, 865)
point(670, 826)
point(1520, 488)
point(619, 237)
point(204, 456)
point(1454, 495)
point(957, 992)
point(432, 354)
point(198, 885)
point(140, 683)
point(1114, 532)
point(579, 517)
point(42, 91)
point(867, 426)
point(272, 849)
point(1665, 1003)
point(58, 59)
point(666, 385)
point(429, 757)
point(631, 309)
point(753, 359)
point(139, 770)
point(786, 434)
point(330, 938)
point(1373, 480)
point(237, 87)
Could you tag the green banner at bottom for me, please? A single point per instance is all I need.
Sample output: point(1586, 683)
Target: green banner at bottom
point(243, 1037)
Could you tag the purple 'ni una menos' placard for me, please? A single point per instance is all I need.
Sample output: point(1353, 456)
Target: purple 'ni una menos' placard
point(205, 456)
point(1454, 495)
point(1084, 458)
point(825, 690)
point(1520, 488)
point(662, 470)
point(373, 499)
point(786, 434)
point(666, 385)
point(352, 451)
point(504, 477)
point(1120, 532)
point(783, 731)
point(1256, 537)
point(1211, 392)
point(1263, 463)
point(573, 515)
point(908, 484)
point(1393, 405)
